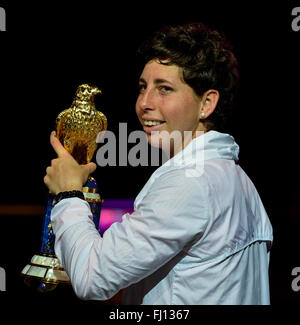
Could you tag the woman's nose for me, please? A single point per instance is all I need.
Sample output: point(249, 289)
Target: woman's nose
point(146, 100)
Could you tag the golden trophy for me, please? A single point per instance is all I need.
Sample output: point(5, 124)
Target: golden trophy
point(77, 128)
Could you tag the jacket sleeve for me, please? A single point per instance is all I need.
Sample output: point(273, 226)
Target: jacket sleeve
point(173, 214)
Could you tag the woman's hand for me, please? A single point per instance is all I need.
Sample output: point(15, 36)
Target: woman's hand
point(65, 174)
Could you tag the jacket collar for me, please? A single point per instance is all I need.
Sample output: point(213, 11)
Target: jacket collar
point(210, 145)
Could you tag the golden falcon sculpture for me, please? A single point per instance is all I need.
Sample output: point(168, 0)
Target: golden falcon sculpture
point(78, 126)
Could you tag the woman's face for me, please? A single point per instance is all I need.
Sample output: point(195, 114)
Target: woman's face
point(166, 101)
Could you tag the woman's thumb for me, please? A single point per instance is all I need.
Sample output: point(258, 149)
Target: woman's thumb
point(90, 167)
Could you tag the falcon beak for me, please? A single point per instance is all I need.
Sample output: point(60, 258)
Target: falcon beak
point(96, 91)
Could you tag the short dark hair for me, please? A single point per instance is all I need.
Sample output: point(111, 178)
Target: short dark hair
point(206, 59)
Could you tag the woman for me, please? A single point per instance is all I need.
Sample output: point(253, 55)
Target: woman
point(199, 233)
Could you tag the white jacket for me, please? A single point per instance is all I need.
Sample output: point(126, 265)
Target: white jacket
point(199, 234)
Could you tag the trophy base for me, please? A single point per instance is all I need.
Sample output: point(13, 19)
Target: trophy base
point(44, 272)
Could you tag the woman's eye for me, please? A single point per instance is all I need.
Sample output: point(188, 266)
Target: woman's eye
point(141, 88)
point(165, 89)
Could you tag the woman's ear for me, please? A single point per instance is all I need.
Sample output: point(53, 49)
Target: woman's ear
point(209, 101)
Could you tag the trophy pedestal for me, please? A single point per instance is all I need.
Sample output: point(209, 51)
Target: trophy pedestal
point(44, 271)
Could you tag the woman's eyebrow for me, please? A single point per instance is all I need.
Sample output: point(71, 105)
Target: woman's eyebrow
point(142, 80)
point(162, 81)
point(156, 81)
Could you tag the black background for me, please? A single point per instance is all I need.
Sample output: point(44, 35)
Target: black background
point(51, 48)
